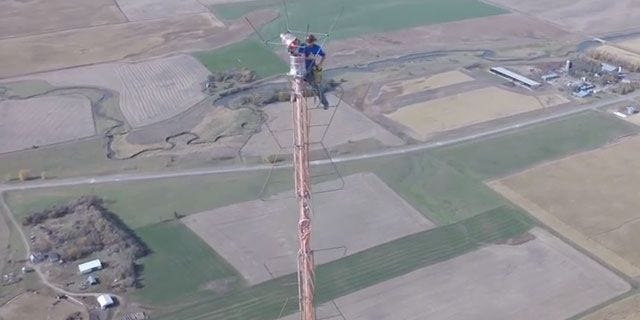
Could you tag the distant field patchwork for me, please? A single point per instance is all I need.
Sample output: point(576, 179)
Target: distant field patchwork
point(150, 91)
point(44, 120)
point(254, 236)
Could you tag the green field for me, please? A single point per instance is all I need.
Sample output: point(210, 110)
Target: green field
point(142, 203)
point(361, 17)
point(440, 192)
point(361, 270)
point(506, 154)
point(181, 266)
point(249, 54)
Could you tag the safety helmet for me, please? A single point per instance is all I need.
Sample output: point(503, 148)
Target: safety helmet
point(311, 38)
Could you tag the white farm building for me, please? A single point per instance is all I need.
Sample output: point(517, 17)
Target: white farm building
point(90, 266)
point(105, 301)
point(514, 77)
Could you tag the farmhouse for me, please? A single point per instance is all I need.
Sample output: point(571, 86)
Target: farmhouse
point(90, 266)
point(516, 78)
point(105, 301)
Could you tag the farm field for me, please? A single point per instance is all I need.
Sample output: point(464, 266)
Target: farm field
point(496, 32)
point(452, 112)
point(149, 91)
point(44, 120)
point(630, 57)
point(249, 53)
point(361, 16)
point(39, 306)
point(143, 203)
point(107, 43)
point(626, 309)
point(496, 282)
point(136, 10)
point(593, 16)
point(370, 214)
point(404, 87)
point(181, 267)
point(342, 125)
point(21, 18)
point(361, 270)
point(506, 154)
point(590, 183)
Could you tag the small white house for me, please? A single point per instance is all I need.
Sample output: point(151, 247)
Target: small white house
point(105, 301)
point(90, 266)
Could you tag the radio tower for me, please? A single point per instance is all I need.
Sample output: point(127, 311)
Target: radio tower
point(301, 178)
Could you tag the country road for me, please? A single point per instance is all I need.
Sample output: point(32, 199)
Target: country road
point(340, 159)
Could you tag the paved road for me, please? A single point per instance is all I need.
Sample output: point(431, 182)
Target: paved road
point(377, 154)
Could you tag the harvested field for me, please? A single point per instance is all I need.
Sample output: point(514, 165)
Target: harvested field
point(20, 18)
point(404, 87)
point(34, 306)
point(107, 43)
point(150, 91)
point(579, 189)
point(543, 278)
point(593, 16)
point(615, 53)
point(626, 309)
point(429, 117)
point(44, 120)
point(348, 125)
point(137, 10)
point(254, 236)
point(630, 44)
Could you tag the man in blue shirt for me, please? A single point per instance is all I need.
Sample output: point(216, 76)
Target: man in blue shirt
point(311, 52)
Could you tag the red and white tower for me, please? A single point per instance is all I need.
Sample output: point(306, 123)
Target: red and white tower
point(302, 189)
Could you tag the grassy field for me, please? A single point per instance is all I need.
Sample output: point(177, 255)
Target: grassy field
point(249, 54)
point(358, 271)
point(143, 203)
point(183, 266)
point(440, 192)
point(505, 154)
point(360, 16)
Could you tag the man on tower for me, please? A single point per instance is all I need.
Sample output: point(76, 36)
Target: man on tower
point(311, 52)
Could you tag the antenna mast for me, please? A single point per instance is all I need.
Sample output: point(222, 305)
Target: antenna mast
point(301, 122)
